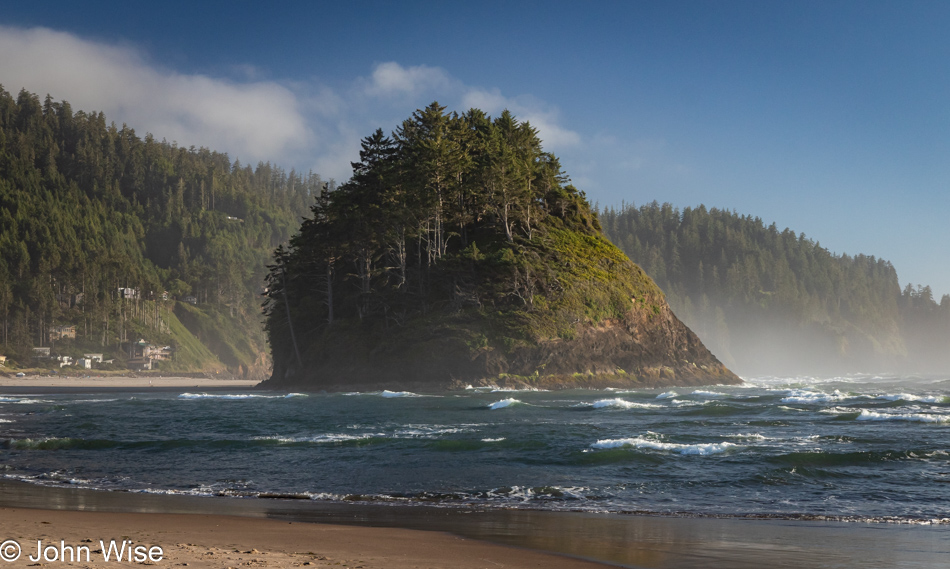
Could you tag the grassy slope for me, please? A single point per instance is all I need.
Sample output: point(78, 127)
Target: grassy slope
point(226, 337)
point(191, 354)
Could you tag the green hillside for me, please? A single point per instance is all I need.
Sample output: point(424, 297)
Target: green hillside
point(773, 301)
point(88, 208)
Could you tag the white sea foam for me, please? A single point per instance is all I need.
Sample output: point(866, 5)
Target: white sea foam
point(527, 493)
point(702, 449)
point(203, 491)
point(667, 395)
point(428, 431)
point(915, 417)
point(748, 436)
point(22, 400)
point(498, 440)
point(838, 410)
point(323, 438)
point(392, 394)
point(623, 404)
point(688, 403)
point(702, 393)
point(230, 396)
point(910, 397)
point(809, 397)
point(503, 403)
point(5, 421)
point(515, 389)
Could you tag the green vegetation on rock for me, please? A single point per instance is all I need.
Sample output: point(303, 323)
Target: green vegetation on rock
point(459, 252)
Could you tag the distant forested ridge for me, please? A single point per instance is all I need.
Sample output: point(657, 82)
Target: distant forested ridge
point(772, 301)
point(98, 227)
point(458, 251)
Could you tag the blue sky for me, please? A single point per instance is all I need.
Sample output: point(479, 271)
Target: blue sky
point(831, 118)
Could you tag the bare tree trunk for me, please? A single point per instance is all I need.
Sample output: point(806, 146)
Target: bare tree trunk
point(329, 293)
point(290, 324)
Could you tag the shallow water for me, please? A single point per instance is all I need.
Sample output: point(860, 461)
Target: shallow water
point(861, 448)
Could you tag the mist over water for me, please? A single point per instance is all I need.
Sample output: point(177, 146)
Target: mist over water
point(756, 346)
point(843, 448)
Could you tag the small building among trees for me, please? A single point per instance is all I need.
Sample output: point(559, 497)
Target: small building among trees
point(62, 333)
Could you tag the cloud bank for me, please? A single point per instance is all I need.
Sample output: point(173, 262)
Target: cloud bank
point(293, 124)
point(255, 120)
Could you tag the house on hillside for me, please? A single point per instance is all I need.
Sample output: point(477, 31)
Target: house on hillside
point(3, 361)
point(129, 293)
point(62, 333)
point(41, 353)
point(94, 358)
point(190, 299)
point(163, 353)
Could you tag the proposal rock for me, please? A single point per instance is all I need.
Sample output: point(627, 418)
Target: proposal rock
point(458, 253)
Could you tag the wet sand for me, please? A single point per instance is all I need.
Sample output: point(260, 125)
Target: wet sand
point(219, 532)
point(215, 541)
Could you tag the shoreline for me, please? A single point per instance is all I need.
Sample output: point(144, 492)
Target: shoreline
point(197, 540)
point(123, 382)
point(513, 538)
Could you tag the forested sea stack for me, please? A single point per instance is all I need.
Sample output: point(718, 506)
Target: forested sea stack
point(458, 253)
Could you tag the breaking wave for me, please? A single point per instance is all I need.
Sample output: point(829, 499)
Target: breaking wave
point(702, 449)
point(866, 415)
point(618, 403)
point(238, 396)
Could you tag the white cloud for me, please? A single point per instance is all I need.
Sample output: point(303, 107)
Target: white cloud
point(253, 120)
point(391, 79)
point(542, 116)
point(290, 123)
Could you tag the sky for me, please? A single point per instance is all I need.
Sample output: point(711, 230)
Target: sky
point(831, 118)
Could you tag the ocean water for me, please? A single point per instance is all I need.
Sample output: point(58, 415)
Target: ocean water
point(857, 448)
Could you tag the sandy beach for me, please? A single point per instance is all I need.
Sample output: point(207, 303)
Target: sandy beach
point(226, 541)
point(121, 381)
point(226, 532)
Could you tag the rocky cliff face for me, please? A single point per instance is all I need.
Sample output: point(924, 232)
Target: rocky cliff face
point(649, 347)
point(646, 349)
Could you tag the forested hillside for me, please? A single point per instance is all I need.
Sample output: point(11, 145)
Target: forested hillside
point(127, 238)
point(103, 230)
point(770, 301)
point(458, 252)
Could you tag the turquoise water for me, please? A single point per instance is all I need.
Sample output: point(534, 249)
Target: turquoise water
point(861, 448)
